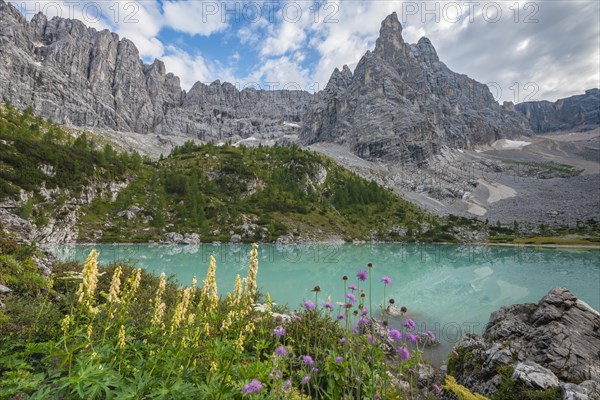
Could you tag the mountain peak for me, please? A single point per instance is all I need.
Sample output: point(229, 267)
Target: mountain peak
point(427, 51)
point(390, 37)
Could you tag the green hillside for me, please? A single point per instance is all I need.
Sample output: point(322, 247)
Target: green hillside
point(259, 193)
point(215, 191)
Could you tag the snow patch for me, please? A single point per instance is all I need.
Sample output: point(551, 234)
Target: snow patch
point(505, 144)
point(248, 141)
point(291, 124)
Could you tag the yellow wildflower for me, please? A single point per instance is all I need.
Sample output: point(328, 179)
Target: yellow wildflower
point(115, 287)
point(65, 323)
point(159, 306)
point(181, 309)
point(87, 288)
point(121, 340)
point(209, 292)
point(252, 273)
point(239, 342)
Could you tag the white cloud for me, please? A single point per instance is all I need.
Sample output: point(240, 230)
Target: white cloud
point(287, 37)
point(280, 73)
point(194, 17)
point(193, 68)
point(346, 41)
point(554, 45)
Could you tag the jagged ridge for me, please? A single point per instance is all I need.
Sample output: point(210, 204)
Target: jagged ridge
point(581, 111)
point(403, 103)
point(79, 76)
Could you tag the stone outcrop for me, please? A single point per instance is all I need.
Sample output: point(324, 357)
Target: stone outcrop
point(550, 345)
point(403, 103)
point(78, 76)
point(579, 112)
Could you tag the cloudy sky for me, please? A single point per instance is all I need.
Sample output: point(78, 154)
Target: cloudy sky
point(526, 50)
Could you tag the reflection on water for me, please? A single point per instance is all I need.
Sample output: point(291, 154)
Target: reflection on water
point(448, 289)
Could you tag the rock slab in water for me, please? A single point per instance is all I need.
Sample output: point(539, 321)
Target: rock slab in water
point(555, 343)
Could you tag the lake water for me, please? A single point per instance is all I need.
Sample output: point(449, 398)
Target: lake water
point(448, 289)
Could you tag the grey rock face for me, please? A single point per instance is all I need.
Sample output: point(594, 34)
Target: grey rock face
point(402, 103)
point(588, 390)
point(4, 289)
point(534, 375)
point(575, 112)
point(78, 76)
point(553, 343)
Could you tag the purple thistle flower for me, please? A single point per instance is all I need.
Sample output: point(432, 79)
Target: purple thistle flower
point(314, 370)
point(351, 297)
point(365, 311)
point(342, 340)
point(370, 339)
point(308, 360)
point(340, 316)
point(363, 321)
point(280, 351)
point(404, 353)
point(288, 381)
point(339, 359)
point(305, 380)
point(395, 334)
point(352, 287)
point(410, 324)
point(362, 275)
point(309, 305)
point(328, 305)
point(431, 335)
point(253, 387)
point(411, 337)
point(386, 280)
point(355, 330)
point(279, 331)
point(436, 388)
point(377, 396)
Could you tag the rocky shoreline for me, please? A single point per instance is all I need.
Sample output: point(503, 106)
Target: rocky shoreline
point(552, 347)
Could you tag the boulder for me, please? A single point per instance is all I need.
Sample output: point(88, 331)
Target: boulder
point(534, 375)
point(191, 238)
point(554, 343)
point(4, 289)
point(173, 237)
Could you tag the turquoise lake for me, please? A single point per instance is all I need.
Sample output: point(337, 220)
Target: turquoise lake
point(448, 289)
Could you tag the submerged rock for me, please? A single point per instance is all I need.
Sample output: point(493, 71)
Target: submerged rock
point(544, 346)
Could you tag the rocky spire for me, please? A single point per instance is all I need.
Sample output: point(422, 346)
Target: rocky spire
point(390, 41)
point(339, 80)
point(427, 52)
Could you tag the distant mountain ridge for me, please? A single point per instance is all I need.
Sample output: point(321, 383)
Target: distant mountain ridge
point(580, 111)
point(77, 75)
point(401, 102)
